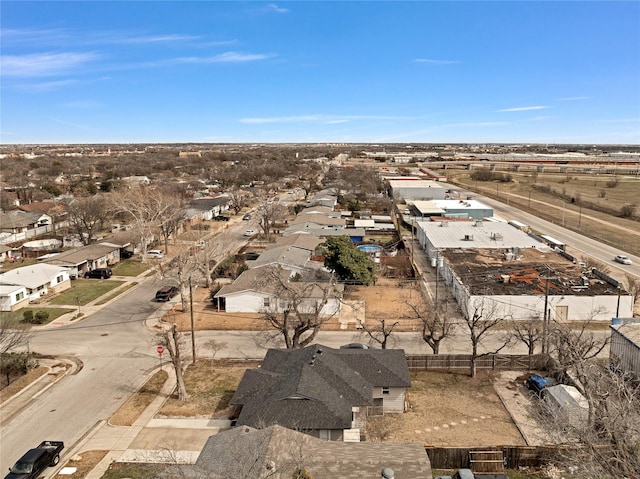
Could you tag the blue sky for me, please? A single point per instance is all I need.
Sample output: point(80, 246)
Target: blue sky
point(318, 71)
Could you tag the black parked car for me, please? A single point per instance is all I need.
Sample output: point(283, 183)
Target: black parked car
point(166, 293)
point(101, 273)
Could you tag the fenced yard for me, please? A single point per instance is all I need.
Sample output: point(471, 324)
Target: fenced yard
point(462, 362)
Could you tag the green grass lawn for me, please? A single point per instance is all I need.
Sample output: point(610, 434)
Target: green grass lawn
point(54, 313)
point(84, 291)
point(130, 267)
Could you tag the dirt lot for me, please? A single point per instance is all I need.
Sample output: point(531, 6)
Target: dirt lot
point(449, 410)
point(387, 299)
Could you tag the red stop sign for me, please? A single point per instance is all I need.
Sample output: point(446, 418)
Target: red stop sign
point(160, 350)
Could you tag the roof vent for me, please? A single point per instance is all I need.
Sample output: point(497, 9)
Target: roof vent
point(319, 351)
point(387, 473)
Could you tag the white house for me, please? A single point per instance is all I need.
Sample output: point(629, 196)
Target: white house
point(13, 297)
point(257, 291)
point(38, 279)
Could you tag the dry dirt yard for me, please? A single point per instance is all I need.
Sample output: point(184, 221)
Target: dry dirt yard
point(447, 409)
point(386, 300)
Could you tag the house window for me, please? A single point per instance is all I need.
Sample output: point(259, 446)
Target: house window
point(59, 279)
point(40, 288)
point(267, 302)
point(385, 390)
point(20, 296)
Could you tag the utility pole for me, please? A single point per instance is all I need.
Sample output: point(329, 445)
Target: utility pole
point(545, 326)
point(193, 332)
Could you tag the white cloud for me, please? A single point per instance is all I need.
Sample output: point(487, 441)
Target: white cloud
point(318, 118)
point(334, 122)
point(44, 64)
point(272, 7)
point(157, 39)
point(227, 57)
point(435, 62)
point(44, 86)
point(574, 98)
point(524, 108)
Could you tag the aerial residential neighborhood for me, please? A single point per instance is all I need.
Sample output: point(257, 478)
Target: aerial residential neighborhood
point(317, 240)
point(347, 303)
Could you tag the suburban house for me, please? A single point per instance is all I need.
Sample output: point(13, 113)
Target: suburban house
point(291, 258)
point(13, 297)
point(319, 231)
point(333, 221)
point(277, 452)
point(205, 209)
point(260, 290)
point(327, 393)
point(20, 221)
point(38, 280)
point(299, 241)
point(624, 349)
point(86, 258)
point(323, 198)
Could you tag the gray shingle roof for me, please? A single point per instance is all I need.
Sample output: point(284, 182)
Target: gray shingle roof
point(284, 256)
point(247, 453)
point(316, 387)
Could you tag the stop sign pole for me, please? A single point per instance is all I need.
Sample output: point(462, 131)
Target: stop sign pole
point(160, 350)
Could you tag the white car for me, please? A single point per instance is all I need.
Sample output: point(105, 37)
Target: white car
point(623, 259)
point(249, 233)
point(155, 254)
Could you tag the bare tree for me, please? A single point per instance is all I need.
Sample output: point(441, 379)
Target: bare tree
point(632, 285)
point(171, 340)
point(608, 438)
point(238, 199)
point(181, 270)
point(12, 334)
point(380, 331)
point(210, 253)
point(268, 214)
point(174, 214)
point(87, 216)
point(215, 347)
point(436, 324)
point(481, 318)
point(529, 332)
point(147, 207)
point(297, 309)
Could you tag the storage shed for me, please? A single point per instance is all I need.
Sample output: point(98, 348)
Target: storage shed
point(624, 350)
point(566, 403)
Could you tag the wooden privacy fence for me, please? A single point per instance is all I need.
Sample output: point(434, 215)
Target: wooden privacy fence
point(513, 457)
point(459, 362)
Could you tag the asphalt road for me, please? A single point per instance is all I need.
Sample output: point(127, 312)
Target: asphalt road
point(117, 354)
